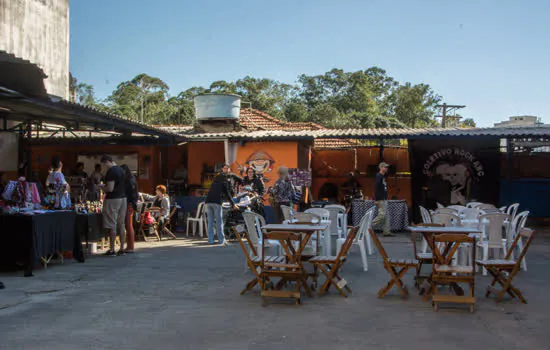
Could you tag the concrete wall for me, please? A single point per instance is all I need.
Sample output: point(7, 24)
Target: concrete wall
point(38, 31)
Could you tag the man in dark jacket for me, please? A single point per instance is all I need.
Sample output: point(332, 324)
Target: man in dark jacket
point(381, 199)
point(219, 192)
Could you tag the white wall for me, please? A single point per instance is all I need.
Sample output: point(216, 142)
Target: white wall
point(38, 31)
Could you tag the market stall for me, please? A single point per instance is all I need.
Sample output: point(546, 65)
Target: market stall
point(33, 237)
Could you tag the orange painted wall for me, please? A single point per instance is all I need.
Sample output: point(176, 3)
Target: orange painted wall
point(284, 153)
point(200, 153)
point(334, 165)
point(42, 155)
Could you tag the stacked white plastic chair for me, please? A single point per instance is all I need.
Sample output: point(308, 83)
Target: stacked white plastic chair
point(324, 214)
point(492, 240)
point(362, 236)
point(517, 224)
point(338, 221)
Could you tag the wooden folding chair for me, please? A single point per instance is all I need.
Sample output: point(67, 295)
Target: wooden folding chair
point(253, 262)
point(423, 258)
point(330, 265)
point(504, 271)
point(164, 228)
point(444, 273)
point(288, 270)
point(392, 266)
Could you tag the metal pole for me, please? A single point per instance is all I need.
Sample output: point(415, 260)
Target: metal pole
point(29, 156)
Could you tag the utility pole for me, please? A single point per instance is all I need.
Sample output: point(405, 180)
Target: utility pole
point(448, 109)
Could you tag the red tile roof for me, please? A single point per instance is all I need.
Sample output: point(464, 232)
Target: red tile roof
point(255, 120)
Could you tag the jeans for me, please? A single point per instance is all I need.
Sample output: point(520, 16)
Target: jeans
point(382, 217)
point(214, 214)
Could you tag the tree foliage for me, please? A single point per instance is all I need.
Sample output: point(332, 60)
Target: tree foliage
point(338, 99)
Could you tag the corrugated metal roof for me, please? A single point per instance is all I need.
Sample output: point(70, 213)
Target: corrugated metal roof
point(519, 132)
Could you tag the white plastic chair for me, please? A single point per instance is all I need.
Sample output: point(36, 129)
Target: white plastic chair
point(254, 223)
point(473, 204)
point(440, 206)
point(446, 219)
point(517, 224)
point(458, 208)
point(338, 219)
point(469, 214)
point(427, 219)
point(446, 211)
point(288, 212)
point(486, 206)
point(303, 217)
point(364, 225)
point(493, 238)
point(324, 214)
point(512, 211)
point(200, 219)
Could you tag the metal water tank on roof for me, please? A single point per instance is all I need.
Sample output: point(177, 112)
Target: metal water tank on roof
point(217, 106)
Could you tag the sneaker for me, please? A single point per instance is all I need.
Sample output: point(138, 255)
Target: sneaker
point(120, 253)
point(225, 243)
point(110, 253)
point(129, 251)
point(388, 234)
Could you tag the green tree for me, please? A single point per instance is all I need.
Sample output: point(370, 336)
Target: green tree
point(468, 123)
point(413, 105)
point(81, 92)
point(143, 98)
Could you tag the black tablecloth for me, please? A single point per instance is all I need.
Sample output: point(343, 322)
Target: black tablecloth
point(397, 211)
point(24, 239)
point(89, 227)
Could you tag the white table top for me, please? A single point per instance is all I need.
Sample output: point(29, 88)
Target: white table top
point(450, 229)
point(296, 227)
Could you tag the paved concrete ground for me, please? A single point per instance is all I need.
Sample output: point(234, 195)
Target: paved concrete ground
point(185, 295)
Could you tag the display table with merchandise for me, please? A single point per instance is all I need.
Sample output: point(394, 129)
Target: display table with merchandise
point(397, 211)
point(36, 236)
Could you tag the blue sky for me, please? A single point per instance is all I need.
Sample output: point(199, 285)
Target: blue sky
point(491, 55)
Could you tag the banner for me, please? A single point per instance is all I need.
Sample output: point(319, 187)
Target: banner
point(454, 172)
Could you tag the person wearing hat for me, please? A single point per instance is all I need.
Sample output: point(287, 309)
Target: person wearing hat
point(219, 192)
point(283, 193)
point(381, 199)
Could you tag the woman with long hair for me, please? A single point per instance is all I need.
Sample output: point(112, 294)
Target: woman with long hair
point(57, 186)
point(160, 200)
point(132, 199)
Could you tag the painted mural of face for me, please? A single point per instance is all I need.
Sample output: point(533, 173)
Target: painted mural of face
point(455, 174)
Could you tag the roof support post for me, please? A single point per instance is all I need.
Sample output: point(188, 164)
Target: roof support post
point(28, 153)
point(509, 163)
point(381, 150)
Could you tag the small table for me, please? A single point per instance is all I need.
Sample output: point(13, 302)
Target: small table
point(428, 232)
point(308, 230)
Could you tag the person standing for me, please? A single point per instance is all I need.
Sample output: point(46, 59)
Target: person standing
point(381, 199)
point(131, 206)
point(114, 205)
point(219, 192)
point(283, 193)
point(57, 186)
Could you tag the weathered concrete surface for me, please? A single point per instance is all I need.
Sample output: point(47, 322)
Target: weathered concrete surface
point(38, 31)
point(184, 295)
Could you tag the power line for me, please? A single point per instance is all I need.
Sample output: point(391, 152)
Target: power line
point(448, 109)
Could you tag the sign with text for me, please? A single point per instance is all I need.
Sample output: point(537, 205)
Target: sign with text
point(454, 172)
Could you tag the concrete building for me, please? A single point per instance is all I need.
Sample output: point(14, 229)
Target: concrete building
point(38, 31)
point(521, 120)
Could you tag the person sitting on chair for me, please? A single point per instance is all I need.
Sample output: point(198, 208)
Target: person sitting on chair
point(161, 201)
